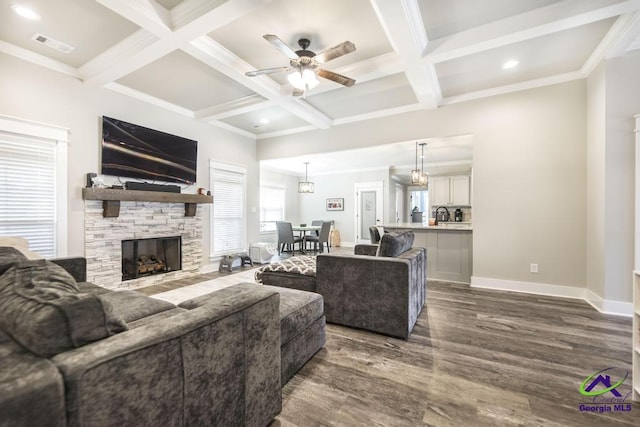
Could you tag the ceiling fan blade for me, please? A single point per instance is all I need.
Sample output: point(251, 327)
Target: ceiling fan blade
point(297, 92)
point(280, 45)
point(335, 52)
point(266, 71)
point(338, 78)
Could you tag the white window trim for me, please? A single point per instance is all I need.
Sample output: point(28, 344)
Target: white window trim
point(60, 136)
point(232, 167)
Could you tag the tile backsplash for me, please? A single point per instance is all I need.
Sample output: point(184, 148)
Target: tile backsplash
point(466, 213)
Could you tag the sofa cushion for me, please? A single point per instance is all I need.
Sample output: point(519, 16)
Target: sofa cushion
point(42, 308)
point(394, 244)
point(298, 310)
point(132, 306)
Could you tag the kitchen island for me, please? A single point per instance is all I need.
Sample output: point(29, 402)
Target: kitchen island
point(449, 248)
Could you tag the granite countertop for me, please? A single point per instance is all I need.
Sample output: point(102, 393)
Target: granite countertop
point(447, 226)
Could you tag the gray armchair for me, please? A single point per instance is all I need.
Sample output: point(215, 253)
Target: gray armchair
point(383, 293)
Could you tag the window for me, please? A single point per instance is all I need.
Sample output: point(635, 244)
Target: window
point(228, 222)
point(33, 184)
point(271, 207)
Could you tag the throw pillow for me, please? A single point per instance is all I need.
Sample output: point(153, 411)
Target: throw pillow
point(21, 245)
point(43, 310)
point(394, 244)
point(9, 256)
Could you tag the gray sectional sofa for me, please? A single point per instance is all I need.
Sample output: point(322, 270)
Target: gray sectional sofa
point(75, 354)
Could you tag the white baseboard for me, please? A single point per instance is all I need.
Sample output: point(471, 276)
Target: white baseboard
point(618, 308)
point(209, 268)
point(608, 306)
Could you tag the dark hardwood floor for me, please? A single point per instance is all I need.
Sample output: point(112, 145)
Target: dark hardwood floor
point(475, 358)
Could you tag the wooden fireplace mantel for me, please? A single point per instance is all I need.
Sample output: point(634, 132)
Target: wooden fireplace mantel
point(111, 199)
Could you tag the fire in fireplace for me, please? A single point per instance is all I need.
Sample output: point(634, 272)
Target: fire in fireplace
point(143, 257)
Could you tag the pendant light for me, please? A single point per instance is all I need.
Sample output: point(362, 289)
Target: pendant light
point(416, 173)
point(305, 186)
point(423, 180)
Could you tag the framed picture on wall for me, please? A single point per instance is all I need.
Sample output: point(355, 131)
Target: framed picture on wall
point(335, 204)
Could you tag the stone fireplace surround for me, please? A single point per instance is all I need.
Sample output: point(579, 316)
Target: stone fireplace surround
point(138, 220)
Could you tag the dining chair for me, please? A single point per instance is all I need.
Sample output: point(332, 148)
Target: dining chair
point(374, 234)
point(322, 237)
point(315, 223)
point(286, 238)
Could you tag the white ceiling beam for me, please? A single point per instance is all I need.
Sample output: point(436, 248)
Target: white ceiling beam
point(131, 54)
point(141, 96)
point(147, 14)
point(614, 36)
point(36, 58)
point(516, 87)
point(629, 33)
point(236, 107)
point(403, 26)
point(218, 57)
point(231, 128)
point(557, 17)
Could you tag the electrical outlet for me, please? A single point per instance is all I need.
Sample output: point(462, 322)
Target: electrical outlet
point(533, 268)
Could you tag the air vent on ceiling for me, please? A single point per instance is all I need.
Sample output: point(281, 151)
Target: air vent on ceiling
point(52, 43)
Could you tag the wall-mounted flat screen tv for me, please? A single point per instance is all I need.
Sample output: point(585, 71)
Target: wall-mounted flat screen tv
point(134, 151)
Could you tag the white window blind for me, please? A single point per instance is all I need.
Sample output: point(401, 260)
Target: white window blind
point(28, 191)
point(228, 219)
point(272, 201)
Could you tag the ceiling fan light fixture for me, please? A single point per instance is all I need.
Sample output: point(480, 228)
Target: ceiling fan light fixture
point(309, 78)
point(295, 78)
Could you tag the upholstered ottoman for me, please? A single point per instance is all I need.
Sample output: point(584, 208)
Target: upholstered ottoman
point(293, 273)
point(302, 324)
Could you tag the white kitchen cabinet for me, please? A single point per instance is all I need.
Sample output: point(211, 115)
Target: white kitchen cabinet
point(450, 190)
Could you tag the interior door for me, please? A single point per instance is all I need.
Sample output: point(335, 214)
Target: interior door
point(369, 209)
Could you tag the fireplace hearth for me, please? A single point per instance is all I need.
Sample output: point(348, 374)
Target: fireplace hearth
point(144, 257)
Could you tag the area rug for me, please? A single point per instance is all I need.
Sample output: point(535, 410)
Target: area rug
point(176, 296)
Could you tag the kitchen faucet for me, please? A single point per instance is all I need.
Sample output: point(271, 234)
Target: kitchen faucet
point(445, 208)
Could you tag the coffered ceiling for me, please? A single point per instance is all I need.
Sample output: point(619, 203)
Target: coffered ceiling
point(190, 56)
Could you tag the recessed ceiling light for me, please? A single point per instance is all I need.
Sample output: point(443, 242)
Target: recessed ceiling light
point(25, 12)
point(264, 121)
point(512, 63)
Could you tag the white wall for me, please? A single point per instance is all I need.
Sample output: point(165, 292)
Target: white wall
point(340, 185)
point(596, 139)
point(36, 93)
point(622, 103)
point(529, 175)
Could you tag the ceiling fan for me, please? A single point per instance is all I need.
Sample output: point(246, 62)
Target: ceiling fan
point(305, 64)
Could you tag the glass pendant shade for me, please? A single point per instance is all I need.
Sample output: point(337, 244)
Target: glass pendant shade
point(415, 176)
point(423, 180)
point(305, 186)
